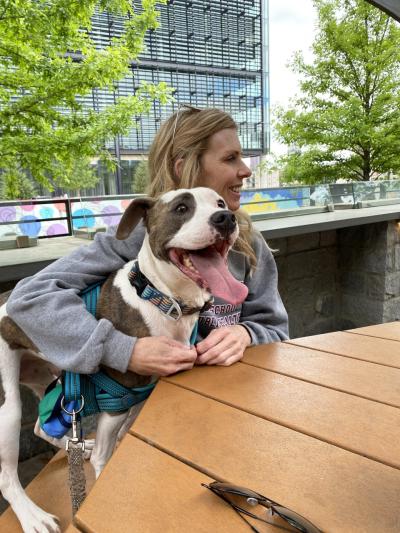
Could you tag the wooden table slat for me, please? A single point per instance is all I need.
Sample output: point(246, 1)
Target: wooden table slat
point(144, 490)
point(336, 489)
point(389, 331)
point(368, 380)
point(342, 419)
point(372, 349)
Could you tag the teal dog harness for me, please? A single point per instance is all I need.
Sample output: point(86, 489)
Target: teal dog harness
point(98, 392)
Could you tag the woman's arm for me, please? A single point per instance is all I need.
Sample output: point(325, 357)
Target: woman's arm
point(47, 306)
point(263, 313)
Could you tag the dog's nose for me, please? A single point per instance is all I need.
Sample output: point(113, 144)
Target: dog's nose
point(223, 221)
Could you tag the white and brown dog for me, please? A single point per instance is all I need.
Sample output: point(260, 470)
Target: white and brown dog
point(184, 256)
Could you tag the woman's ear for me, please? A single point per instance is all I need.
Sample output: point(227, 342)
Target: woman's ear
point(178, 167)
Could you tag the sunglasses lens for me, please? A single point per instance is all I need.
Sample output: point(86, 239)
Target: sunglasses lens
point(240, 500)
point(295, 520)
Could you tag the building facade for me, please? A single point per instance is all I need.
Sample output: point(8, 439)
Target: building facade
point(214, 54)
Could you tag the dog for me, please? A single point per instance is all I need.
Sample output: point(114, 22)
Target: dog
point(184, 256)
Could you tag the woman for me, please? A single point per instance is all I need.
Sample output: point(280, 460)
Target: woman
point(192, 148)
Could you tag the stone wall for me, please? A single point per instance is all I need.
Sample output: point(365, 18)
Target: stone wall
point(369, 265)
point(30, 445)
point(340, 279)
point(308, 281)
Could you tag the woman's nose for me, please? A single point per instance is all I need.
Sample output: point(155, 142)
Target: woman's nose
point(244, 171)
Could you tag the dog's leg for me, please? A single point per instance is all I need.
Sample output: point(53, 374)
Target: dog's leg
point(110, 430)
point(32, 518)
point(132, 415)
point(108, 426)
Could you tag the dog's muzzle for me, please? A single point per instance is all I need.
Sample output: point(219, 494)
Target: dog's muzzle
point(224, 222)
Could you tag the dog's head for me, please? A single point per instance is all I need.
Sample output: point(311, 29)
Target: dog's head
point(193, 230)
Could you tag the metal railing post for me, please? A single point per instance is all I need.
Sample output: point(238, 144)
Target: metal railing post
point(69, 216)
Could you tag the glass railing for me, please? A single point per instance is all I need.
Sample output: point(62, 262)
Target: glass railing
point(58, 217)
point(55, 217)
point(338, 195)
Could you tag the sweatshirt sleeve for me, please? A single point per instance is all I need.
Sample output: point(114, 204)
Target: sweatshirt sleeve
point(47, 306)
point(263, 313)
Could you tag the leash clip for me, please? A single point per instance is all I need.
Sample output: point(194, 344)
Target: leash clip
point(74, 421)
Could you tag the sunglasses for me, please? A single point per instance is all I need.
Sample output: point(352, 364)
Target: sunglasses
point(186, 107)
point(238, 497)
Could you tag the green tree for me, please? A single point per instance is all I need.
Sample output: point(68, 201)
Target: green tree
point(269, 164)
point(49, 63)
point(141, 177)
point(16, 184)
point(346, 123)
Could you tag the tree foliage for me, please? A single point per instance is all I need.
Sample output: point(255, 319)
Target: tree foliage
point(346, 123)
point(15, 184)
point(270, 163)
point(49, 63)
point(141, 177)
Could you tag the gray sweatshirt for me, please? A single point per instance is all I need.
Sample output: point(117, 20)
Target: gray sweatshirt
point(47, 306)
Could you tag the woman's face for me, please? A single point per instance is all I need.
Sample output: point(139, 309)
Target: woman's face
point(222, 167)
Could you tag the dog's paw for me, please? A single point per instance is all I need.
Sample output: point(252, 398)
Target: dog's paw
point(35, 520)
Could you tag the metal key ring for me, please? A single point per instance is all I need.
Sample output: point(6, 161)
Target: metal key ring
point(73, 412)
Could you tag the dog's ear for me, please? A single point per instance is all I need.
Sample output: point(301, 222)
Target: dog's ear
point(136, 210)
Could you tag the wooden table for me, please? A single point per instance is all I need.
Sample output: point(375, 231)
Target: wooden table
point(313, 423)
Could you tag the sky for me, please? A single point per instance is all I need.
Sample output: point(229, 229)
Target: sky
point(291, 28)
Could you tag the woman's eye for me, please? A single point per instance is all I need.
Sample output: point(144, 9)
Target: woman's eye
point(181, 209)
point(221, 203)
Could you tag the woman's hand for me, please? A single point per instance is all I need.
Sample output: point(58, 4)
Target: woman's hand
point(223, 346)
point(161, 356)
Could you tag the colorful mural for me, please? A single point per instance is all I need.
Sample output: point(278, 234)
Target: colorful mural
point(33, 220)
point(267, 200)
point(98, 213)
point(49, 219)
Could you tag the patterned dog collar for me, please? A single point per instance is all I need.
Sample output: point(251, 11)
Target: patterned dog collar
point(170, 307)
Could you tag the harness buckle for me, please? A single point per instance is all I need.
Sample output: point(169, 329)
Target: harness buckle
point(175, 307)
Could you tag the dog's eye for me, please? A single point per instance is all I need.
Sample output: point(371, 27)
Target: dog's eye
point(221, 203)
point(181, 209)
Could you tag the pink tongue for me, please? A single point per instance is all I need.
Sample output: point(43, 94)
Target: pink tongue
point(214, 270)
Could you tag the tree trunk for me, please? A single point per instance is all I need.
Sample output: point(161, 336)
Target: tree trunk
point(367, 165)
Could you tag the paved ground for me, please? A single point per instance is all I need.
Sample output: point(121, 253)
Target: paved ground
point(19, 263)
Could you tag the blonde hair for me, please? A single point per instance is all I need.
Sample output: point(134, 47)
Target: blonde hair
point(185, 135)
